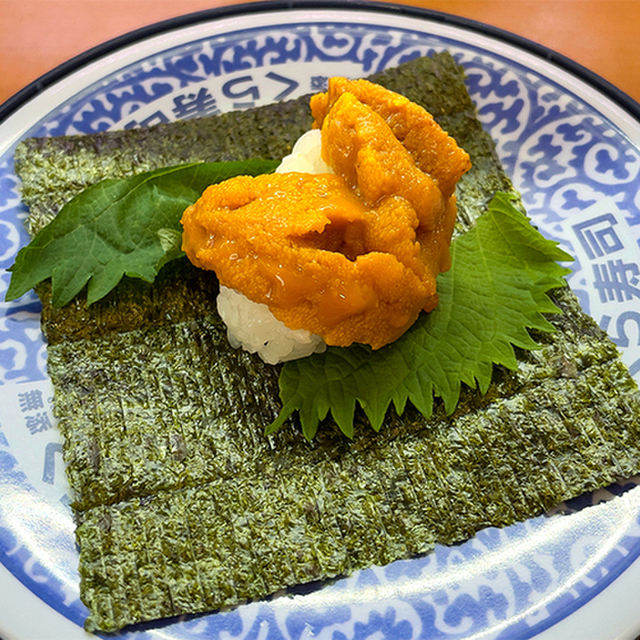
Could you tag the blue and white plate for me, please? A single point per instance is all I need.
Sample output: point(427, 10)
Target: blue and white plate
point(572, 145)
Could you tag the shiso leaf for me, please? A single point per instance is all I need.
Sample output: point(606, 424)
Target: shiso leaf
point(171, 242)
point(117, 227)
point(494, 292)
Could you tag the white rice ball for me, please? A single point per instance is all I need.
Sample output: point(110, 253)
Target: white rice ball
point(251, 325)
point(306, 156)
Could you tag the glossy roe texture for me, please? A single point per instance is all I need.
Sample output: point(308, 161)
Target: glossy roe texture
point(351, 256)
point(432, 149)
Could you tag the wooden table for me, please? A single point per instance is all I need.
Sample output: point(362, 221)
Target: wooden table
point(601, 35)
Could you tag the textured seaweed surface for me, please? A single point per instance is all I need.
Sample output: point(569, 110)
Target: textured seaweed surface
point(184, 506)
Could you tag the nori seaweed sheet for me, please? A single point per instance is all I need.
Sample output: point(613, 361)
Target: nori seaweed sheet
point(184, 506)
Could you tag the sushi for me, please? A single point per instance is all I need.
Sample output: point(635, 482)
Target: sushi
point(351, 254)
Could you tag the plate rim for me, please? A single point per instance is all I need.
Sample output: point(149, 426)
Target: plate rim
point(549, 55)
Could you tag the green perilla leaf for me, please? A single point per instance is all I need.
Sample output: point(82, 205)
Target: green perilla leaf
point(117, 227)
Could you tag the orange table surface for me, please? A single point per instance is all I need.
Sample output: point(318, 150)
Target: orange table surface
point(38, 35)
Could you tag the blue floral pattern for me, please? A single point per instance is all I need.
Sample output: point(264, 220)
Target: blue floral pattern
point(578, 175)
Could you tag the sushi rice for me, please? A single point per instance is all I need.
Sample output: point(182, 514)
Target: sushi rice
point(251, 325)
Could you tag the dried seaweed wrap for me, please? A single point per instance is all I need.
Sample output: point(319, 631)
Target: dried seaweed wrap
point(184, 506)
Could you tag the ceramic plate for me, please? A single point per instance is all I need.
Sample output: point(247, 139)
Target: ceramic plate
point(572, 146)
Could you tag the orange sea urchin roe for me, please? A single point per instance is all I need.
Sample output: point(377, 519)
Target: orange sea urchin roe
point(352, 257)
point(433, 150)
